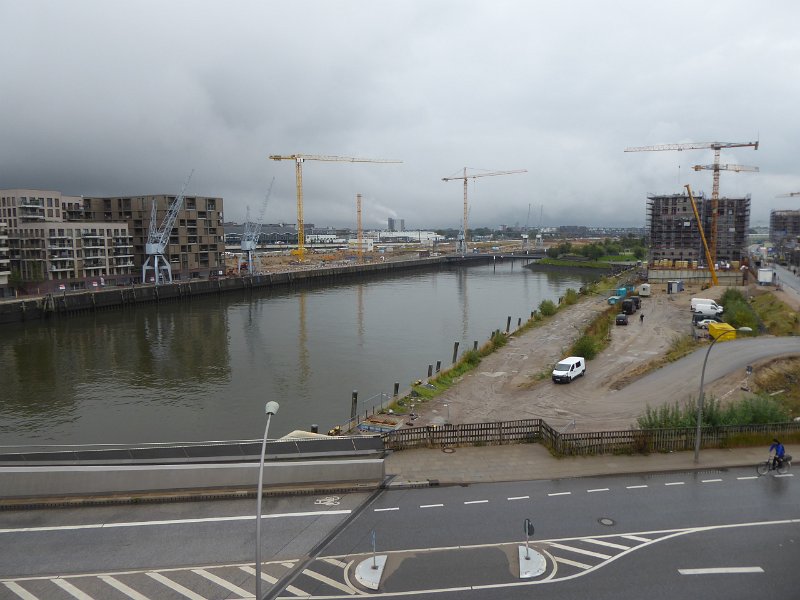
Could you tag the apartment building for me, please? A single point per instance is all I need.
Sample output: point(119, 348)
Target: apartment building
point(50, 253)
point(674, 233)
point(5, 262)
point(196, 243)
point(784, 228)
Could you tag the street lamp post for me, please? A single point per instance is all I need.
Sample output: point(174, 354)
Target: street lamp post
point(271, 408)
point(702, 379)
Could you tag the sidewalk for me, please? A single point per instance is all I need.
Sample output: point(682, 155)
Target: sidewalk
point(522, 462)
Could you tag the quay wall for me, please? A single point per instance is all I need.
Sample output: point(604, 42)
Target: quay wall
point(71, 303)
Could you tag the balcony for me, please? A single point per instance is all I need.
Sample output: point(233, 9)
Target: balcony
point(60, 269)
point(61, 257)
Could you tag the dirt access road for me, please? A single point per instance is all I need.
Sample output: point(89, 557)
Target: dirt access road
point(514, 382)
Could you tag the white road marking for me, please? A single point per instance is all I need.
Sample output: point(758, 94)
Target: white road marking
point(580, 551)
point(608, 544)
point(598, 490)
point(635, 487)
point(635, 538)
point(118, 585)
point(224, 583)
point(328, 581)
point(71, 589)
point(785, 475)
point(721, 570)
point(314, 513)
point(265, 576)
point(572, 563)
point(385, 509)
point(177, 587)
point(431, 505)
point(519, 498)
point(710, 480)
point(476, 502)
point(333, 561)
point(19, 590)
point(675, 483)
point(560, 494)
point(748, 477)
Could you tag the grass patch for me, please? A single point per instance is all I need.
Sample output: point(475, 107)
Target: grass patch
point(755, 410)
point(776, 317)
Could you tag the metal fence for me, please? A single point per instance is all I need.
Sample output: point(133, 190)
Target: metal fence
point(632, 441)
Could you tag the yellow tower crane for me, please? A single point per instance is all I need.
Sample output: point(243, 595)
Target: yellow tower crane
point(465, 177)
point(716, 168)
point(299, 159)
point(709, 259)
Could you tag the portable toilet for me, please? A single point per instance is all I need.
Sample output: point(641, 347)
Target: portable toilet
point(622, 292)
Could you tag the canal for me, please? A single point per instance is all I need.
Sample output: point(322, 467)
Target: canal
point(203, 369)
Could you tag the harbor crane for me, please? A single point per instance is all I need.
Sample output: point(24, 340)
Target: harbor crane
point(789, 195)
point(462, 239)
point(252, 231)
point(299, 159)
point(716, 168)
point(158, 238)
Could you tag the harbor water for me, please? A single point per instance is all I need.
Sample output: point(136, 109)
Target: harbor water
point(203, 369)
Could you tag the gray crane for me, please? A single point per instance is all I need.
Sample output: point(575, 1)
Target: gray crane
point(158, 238)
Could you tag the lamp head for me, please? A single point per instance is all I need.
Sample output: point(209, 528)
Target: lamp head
point(272, 407)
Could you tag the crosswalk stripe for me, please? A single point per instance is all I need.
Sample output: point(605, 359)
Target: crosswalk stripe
point(572, 563)
point(71, 589)
point(635, 538)
point(269, 578)
point(19, 590)
point(118, 585)
point(177, 587)
point(224, 583)
point(580, 551)
point(608, 544)
point(328, 581)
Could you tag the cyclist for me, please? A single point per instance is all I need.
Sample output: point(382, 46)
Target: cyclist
point(779, 450)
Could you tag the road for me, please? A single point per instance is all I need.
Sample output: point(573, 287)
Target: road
point(602, 537)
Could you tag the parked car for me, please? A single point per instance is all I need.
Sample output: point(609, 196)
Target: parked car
point(622, 319)
point(704, 323)
point(569, 368)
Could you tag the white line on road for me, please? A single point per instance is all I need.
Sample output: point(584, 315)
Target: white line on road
point(19, 590)
point(118, 585)
point(785, 475)
point(572, 563)
point(560, 494)
point(598, 490)
point(476, 501)
point(636, 538)
point(431, 505)
point(176, 587)
point(519, 498)
point(675, 483)
point(314, 513)
point(328, 581)
point(608, 544)
point(581, 551)
point(224, 583)
point(71, 589)
point(635, 487)
point(710, 480)
point(385, 509)
point(721, 570)
point(272, 580)
point(748, 477)
point(333, 561)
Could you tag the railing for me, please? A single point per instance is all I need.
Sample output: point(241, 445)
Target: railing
point(632, 441)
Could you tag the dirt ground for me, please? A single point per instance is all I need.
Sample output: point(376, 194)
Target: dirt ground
point(514, 382)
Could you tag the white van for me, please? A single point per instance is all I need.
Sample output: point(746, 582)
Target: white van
point(696, 301)
point(568, 369)
point(707, 310)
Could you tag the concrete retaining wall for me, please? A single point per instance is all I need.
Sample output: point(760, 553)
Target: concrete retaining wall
point(43, 482)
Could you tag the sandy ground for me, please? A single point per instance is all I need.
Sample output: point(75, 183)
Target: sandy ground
point(514, 382)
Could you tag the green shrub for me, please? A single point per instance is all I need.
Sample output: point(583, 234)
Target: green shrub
point(753, 410)
point(570, 297)
point(586, 346)
point(548, 308)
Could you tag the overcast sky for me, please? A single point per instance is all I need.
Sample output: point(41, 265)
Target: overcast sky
point(126, 98)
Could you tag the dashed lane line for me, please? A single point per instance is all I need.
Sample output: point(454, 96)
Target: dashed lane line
point(476, 501)
point(518, 498)
point(559, 494)
point(748, 477)
point(431, 505)
point(635, 487)
point(675, 483)
point(597, 490)
point(720, 570)
point(385, 509)
point(710, 480)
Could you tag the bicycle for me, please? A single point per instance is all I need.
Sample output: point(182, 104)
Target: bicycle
point(783, 465)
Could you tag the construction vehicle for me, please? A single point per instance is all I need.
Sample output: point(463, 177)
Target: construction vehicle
point(299, 159)
point(158, 238)
point(461, 244)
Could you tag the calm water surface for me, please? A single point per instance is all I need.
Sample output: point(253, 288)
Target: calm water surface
point(204, 369)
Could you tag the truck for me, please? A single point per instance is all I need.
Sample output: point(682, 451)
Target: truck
point(696, 301)
point(766, 276)
point(628, 306)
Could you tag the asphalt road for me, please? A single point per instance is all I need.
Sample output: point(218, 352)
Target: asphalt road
point(602, 537)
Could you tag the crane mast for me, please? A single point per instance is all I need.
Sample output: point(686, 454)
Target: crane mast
point(462, 241)
point(299, 159)
point(158, 238)
point(709, 258)
point(716, 168)
point(252, 231)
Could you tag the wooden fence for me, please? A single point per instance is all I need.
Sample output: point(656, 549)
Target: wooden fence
point(632, 441)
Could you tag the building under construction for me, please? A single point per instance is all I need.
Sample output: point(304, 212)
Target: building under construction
point(784, 227)
point(674, 234)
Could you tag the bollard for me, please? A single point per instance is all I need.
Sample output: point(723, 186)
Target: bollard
point(508, 325)
point(519, 322)
point(354, 405)
point(314, 428)
point(430, 370)
point(396, 388)
point(475, 345)
point(438, 366)
point(455, 351)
